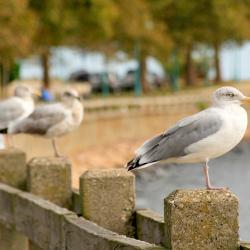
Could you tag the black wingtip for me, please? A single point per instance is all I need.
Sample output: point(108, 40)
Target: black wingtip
point(134, 163)
point(4, 131)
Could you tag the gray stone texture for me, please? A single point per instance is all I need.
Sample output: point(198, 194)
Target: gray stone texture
point(41, 221)
point(201, 219)
point(82, 234)
point(11, 240)
point(76, 202)
point(13, 169)
point(51, 227)
point(50, 178)
point(33, 246)
point(150, 227)
point(108, 198)
point(244, 246)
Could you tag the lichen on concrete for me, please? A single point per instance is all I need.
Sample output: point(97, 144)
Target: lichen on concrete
point(244, 246)
point(201, 219)
point(50, 178)
point(13, 169)
point(149, 226)
point(108, 198)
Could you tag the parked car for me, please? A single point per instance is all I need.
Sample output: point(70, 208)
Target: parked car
point(80, 81)
point(128, 81)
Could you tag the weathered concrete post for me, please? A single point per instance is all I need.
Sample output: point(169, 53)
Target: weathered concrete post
point(201, 219)
point(13, 171)
point(50, 178)
point(108, 198)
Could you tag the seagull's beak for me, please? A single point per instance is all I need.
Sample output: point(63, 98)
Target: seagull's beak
point(36, 93)
point(246, 100)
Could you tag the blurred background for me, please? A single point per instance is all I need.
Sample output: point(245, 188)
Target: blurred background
point(140, 66)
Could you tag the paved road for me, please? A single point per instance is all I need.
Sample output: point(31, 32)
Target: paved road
point(231, 170)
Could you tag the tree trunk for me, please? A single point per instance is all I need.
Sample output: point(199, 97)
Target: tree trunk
point(45, 65)
point(217, 63)
point(143, 71)
point(190, 70)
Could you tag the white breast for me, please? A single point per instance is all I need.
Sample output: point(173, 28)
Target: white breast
point(233, 128)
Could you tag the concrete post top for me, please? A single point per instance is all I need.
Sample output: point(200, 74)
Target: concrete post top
point(200, 195)
point(47, 161)
point(106, 173)
point(201, 219)
point(11, 150)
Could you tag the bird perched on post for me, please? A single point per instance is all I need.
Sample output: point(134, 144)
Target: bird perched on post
point(200, 137)
point(53, 120)
point(16, 108)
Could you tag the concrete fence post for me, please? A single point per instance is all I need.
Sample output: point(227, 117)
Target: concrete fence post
point(13, 172)
point(50, 178)
point(108, 199)
point(201, 219)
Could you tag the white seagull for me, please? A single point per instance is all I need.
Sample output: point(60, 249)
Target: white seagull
point(53, 120)
point(200, 137)
point(16, 108)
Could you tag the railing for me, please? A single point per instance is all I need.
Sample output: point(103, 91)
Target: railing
point(102, 211)
point(115, 107)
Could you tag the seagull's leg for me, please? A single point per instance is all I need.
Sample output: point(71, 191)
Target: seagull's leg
point(11, 140)
point(207, 179)
point(55, 148)
point(6, 140)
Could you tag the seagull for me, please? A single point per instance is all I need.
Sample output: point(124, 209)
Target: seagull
point(53, 120)
point(200, 137)
point(16, 108)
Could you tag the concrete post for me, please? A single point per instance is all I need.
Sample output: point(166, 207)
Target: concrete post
point(13, 172)
point(108, 198)
point(201, 219)
point(50, 178)
point(13, 169)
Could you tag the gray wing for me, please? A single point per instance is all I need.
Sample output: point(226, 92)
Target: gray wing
point(174, 141)
point(10, 110)
point(41, 120)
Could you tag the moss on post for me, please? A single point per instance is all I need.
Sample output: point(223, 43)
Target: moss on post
point(108, 198)
point(50, 178)
point(13, 169)
point(13, 172)
point(201, 219)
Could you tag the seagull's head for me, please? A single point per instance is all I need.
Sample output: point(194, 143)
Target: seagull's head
point(70, 95)
point(24, 91)
point(229, 95)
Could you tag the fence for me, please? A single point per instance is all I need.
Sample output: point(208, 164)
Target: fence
point(168, 105)
point(102, 211)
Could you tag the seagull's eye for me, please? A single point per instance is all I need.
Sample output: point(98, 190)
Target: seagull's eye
point(68, 94)
point(230, 94)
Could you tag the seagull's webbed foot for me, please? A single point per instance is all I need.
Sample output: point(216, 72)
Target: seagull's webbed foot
point(58, 155)
point(216, 188)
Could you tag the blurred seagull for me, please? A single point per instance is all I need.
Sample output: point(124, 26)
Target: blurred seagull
point(16, 108)
point(53, 120)
point(200, 137)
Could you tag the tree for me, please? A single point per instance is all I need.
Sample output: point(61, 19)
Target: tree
point(17, 25)
point(51, 30)
point(137, 26)
point(210, 22)
point(226, 25)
